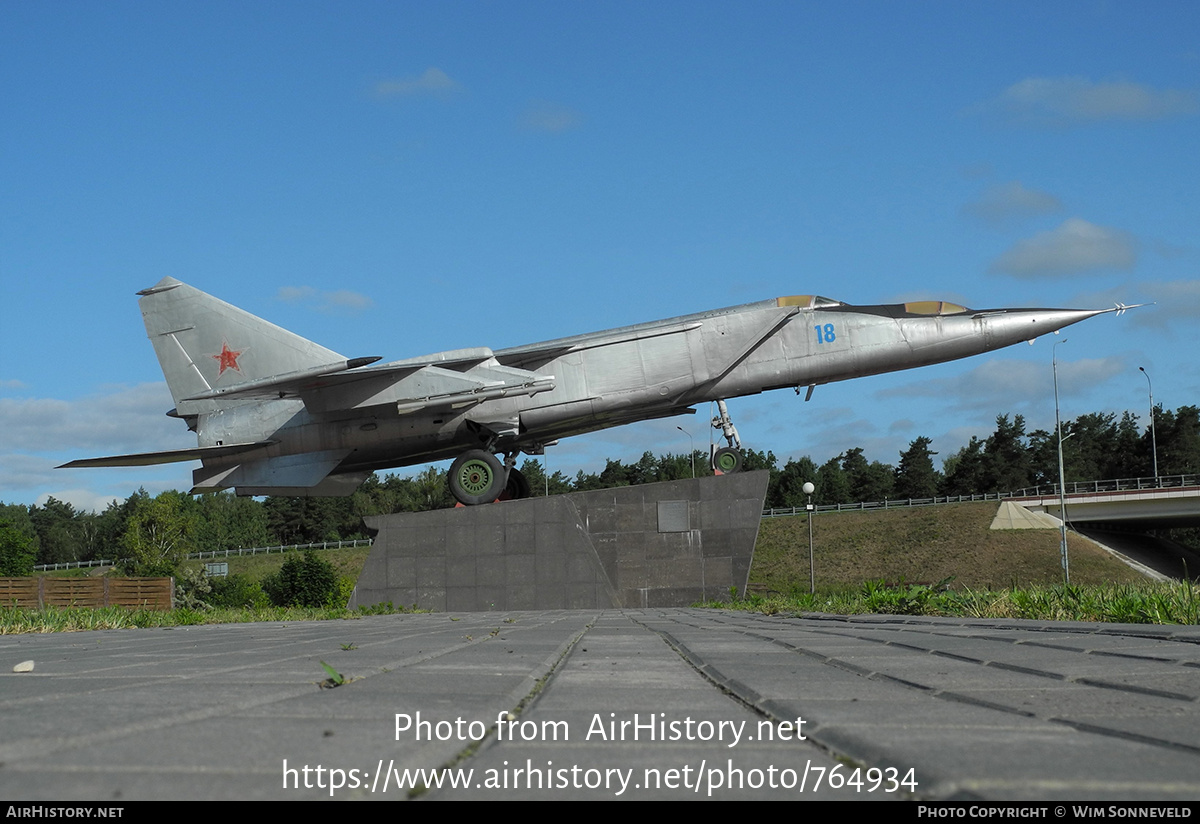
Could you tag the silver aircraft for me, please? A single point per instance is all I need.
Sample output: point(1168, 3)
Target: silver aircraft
point(276, 414)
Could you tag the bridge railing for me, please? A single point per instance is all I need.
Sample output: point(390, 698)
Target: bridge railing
point(1114, 485)
point(1046, 490)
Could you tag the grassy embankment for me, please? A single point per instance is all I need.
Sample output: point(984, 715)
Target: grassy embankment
point(945, 560)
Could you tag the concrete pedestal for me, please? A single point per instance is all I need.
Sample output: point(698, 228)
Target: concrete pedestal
point(656, 545)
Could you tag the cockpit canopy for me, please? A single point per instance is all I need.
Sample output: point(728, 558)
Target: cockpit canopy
point(923, 308)
point(808, 301)
point(934, 307)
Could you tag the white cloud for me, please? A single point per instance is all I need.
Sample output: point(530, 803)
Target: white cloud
point(977, 171)
point(1176, 302)
point(1067, 101)
point(432, 81)
point(1073, 248)
point(550, 117)
point(1014, 385)
point(83, 500)
point(346, 299)
point(19, 473)
point(1012, 201)
point(341, 301)
point(294, 294)
point(129, 419)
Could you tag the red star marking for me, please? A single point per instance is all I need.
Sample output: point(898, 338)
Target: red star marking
point(227, 359)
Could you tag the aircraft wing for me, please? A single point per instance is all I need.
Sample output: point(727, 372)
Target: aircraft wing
point(534, 355)
point(341, 373)
point(461, 377)
point(169, 456)
point(411, 387)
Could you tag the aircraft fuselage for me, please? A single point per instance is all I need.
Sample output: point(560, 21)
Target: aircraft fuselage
point(277, 414)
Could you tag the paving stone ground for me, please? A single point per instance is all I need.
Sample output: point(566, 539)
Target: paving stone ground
point(665, 704)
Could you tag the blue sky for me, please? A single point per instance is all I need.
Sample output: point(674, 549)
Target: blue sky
point(397, 178)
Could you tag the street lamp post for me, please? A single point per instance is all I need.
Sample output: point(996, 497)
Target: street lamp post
point(1062, 486)
point(812, 570)
point(1153, 437)
point(693, 448)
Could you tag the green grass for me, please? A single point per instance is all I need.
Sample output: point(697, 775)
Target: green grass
point(15, 621)
point(1175, 602)
point(346, 561)
point(923, 545)
point(945, 560)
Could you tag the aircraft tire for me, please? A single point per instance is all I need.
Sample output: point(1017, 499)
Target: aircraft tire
point(727, 461)
point(517, 486)
point(476, 477)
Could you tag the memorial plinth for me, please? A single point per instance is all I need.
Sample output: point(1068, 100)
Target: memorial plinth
point(655, 545)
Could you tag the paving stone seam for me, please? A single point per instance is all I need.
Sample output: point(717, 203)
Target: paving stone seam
point(714, 672)
point(1181, 634)
point(424, 657)
point(1112, 685)
point(1161, 743)
point(29, 748)
point(1040, 673)
point(1099, 683)
point(951, 695)
point(521, 698)
point(32, 748)
point(753, 701)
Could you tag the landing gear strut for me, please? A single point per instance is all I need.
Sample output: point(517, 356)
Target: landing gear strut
point(517, 485)
point(728, 459)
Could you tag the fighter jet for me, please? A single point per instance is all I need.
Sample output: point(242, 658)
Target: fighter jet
point(276, 414)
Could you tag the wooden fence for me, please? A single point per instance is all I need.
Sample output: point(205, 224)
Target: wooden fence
point(36, 593)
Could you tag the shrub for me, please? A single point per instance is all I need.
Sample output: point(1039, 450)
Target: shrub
point(236, 591)
point(192, 588)
point(17, 551)
point(302, 582)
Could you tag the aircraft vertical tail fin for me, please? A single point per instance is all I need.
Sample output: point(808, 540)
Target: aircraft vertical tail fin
point(204, 343)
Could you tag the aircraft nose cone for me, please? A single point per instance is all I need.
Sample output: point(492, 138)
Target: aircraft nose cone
point(1016, 325)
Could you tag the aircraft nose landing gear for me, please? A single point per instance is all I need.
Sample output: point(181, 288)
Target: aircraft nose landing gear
point(728, 459)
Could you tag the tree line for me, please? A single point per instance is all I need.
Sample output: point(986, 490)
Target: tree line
point(149, 532)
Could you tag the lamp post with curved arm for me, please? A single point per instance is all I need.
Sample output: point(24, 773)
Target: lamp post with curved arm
point(1153, 436)
point(1062, 485)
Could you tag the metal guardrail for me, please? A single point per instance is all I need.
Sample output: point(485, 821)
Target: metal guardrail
point(219, 553)
point(267, 550)
point(1078, 488)
point(1116, 485)
point(900, 503)
point(71, 565)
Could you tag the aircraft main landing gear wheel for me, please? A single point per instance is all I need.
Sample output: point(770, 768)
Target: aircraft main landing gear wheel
point(727, 461)
point(476, 477)
point(517, 486)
